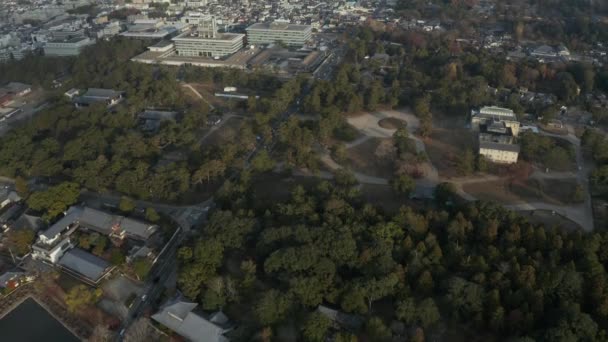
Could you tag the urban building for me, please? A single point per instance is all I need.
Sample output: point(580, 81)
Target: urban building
point(488, 115)
point(498, 148)
point(278, 32)
point(54, 242)
point(96, 95)
point(205, 41)
point(498, 128)
point(71, 47)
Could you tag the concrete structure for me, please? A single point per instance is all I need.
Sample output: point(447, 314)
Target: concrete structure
point(84, 265)
point(487, 115)
point(71, 47)
point(52, 244)
point(180, 318)
point(96, 95)
point(498, 148)
point(268, 33)
point(498, 128)
point(205, 41)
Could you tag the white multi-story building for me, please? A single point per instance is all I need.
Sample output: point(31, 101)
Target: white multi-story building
point(488, 115)
point(498, 148)
point(205, 41)
point(71, 47)
point(278, 32)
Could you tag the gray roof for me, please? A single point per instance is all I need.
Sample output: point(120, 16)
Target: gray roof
point(178, 316)
point(17, 87)
point(102, 93)
point(71, 216)
point(96, 220)
point(157, 115)
point(498, 146)
point(103, 223)
point(279, 27)
point(85, 264)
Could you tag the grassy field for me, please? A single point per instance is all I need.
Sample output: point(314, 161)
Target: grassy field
point(548, 219)
point(228, 132)
point(445, 145)
point(366, 158)
point(386, 199)
point(392, 123)
point(554, 191)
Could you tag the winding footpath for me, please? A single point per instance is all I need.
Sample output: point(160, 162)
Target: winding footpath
point(368, 125)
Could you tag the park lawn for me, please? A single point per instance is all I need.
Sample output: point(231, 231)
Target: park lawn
point(271, 188)
point(385, 198)
point(445, 145)
point(228, 132)
point(363, 158)
point(548, 219)
point(493, 191)
point(553, 191)
point(207, 91)
point(561, 190)
point(392, 123)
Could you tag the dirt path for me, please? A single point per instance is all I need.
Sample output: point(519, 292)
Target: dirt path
point(186, 85)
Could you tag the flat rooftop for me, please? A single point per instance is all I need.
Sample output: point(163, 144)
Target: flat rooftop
point(240, 59)
point(192, 35)
point(279, 27)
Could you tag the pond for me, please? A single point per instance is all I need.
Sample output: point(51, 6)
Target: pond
point(30, 322)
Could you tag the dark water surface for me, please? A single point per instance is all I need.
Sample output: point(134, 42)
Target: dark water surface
point(30, 322)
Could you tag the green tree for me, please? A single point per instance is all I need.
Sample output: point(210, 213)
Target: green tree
point(272, 307)
point(21, 187)
point(403, 184)
point(315, 327)
point(117, 258)
point(262, 162)
point(55, 199)
point(141, 267)
point(377, 330)
point(152, 215)
point(466, 163)
point(20, 240)
point(428, 313)
point(126, 205)
point(80, 296)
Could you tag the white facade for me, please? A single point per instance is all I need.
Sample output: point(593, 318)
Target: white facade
point(289, 34)
point(71, 47)
point(51, 253)
point(499, 156)
point(192, 45)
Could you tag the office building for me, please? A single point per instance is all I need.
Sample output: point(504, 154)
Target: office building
point(269, 33)
point(71, 47)
point(205, 41)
